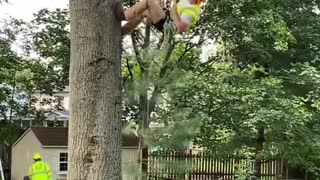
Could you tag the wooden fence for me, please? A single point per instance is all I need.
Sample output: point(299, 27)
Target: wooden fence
point(200, 166)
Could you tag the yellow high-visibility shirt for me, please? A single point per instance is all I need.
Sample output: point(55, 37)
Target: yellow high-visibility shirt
point(40, 171)
point(189, 12)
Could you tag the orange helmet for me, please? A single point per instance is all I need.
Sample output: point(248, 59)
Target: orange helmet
point(197, 1)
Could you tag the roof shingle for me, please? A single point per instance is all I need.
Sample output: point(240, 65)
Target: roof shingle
point(58, 136)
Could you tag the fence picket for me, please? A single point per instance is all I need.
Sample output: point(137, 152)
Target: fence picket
point(204, 166)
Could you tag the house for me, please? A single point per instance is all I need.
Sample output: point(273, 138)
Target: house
point(60, 118)
point(51, 143)
point(61, 96)
point(47, 104)
point(53, 119)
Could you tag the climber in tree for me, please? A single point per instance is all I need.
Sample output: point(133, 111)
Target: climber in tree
point(184, 14)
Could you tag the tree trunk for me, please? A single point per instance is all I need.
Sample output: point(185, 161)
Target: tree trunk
point(95, 96)
point(259, 148)
point(144, 111)
point(147, 104)
point(12, 101)
point(143, 119)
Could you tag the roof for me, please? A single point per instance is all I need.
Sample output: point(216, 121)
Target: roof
point(51, 136)
point(58, 136)
point(58, 115)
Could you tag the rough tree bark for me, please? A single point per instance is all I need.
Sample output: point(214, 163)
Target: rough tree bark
point(95, 98)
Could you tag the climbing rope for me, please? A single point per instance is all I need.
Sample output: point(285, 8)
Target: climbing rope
point(169, 28)
point(168, 33)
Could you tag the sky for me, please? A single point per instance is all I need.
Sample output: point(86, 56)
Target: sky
point(24, 9)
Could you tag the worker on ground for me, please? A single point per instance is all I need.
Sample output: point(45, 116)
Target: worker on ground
point(39, 170)
point(183, 14)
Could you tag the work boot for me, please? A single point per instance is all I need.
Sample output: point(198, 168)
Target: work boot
point(119, 11)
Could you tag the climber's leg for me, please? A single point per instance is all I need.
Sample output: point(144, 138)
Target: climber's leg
point(131, 25)
point(159, 21)
point(160, 24)
point(153, 9)
point(147, 8)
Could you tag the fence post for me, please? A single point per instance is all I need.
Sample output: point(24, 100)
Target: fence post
point(145, 161)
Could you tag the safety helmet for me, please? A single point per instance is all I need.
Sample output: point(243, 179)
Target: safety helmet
point(197, 1)
point(36, 156)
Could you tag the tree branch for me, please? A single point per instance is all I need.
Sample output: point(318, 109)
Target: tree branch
point(129, 69)
point(187, 49)
point(219, 108)
point(212, 60)
point(147, 36)
point(135, 48)
point(169, 53)
point(161, 39)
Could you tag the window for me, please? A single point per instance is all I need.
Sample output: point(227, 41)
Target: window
point(63, 162)
point(55, 123)
point(25, 123)
point(58, 123)
point(50, 123)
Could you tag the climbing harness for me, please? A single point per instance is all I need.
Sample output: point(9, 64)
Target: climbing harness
point(167, 7)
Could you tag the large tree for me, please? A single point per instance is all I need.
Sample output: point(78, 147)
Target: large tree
point(95, 82)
